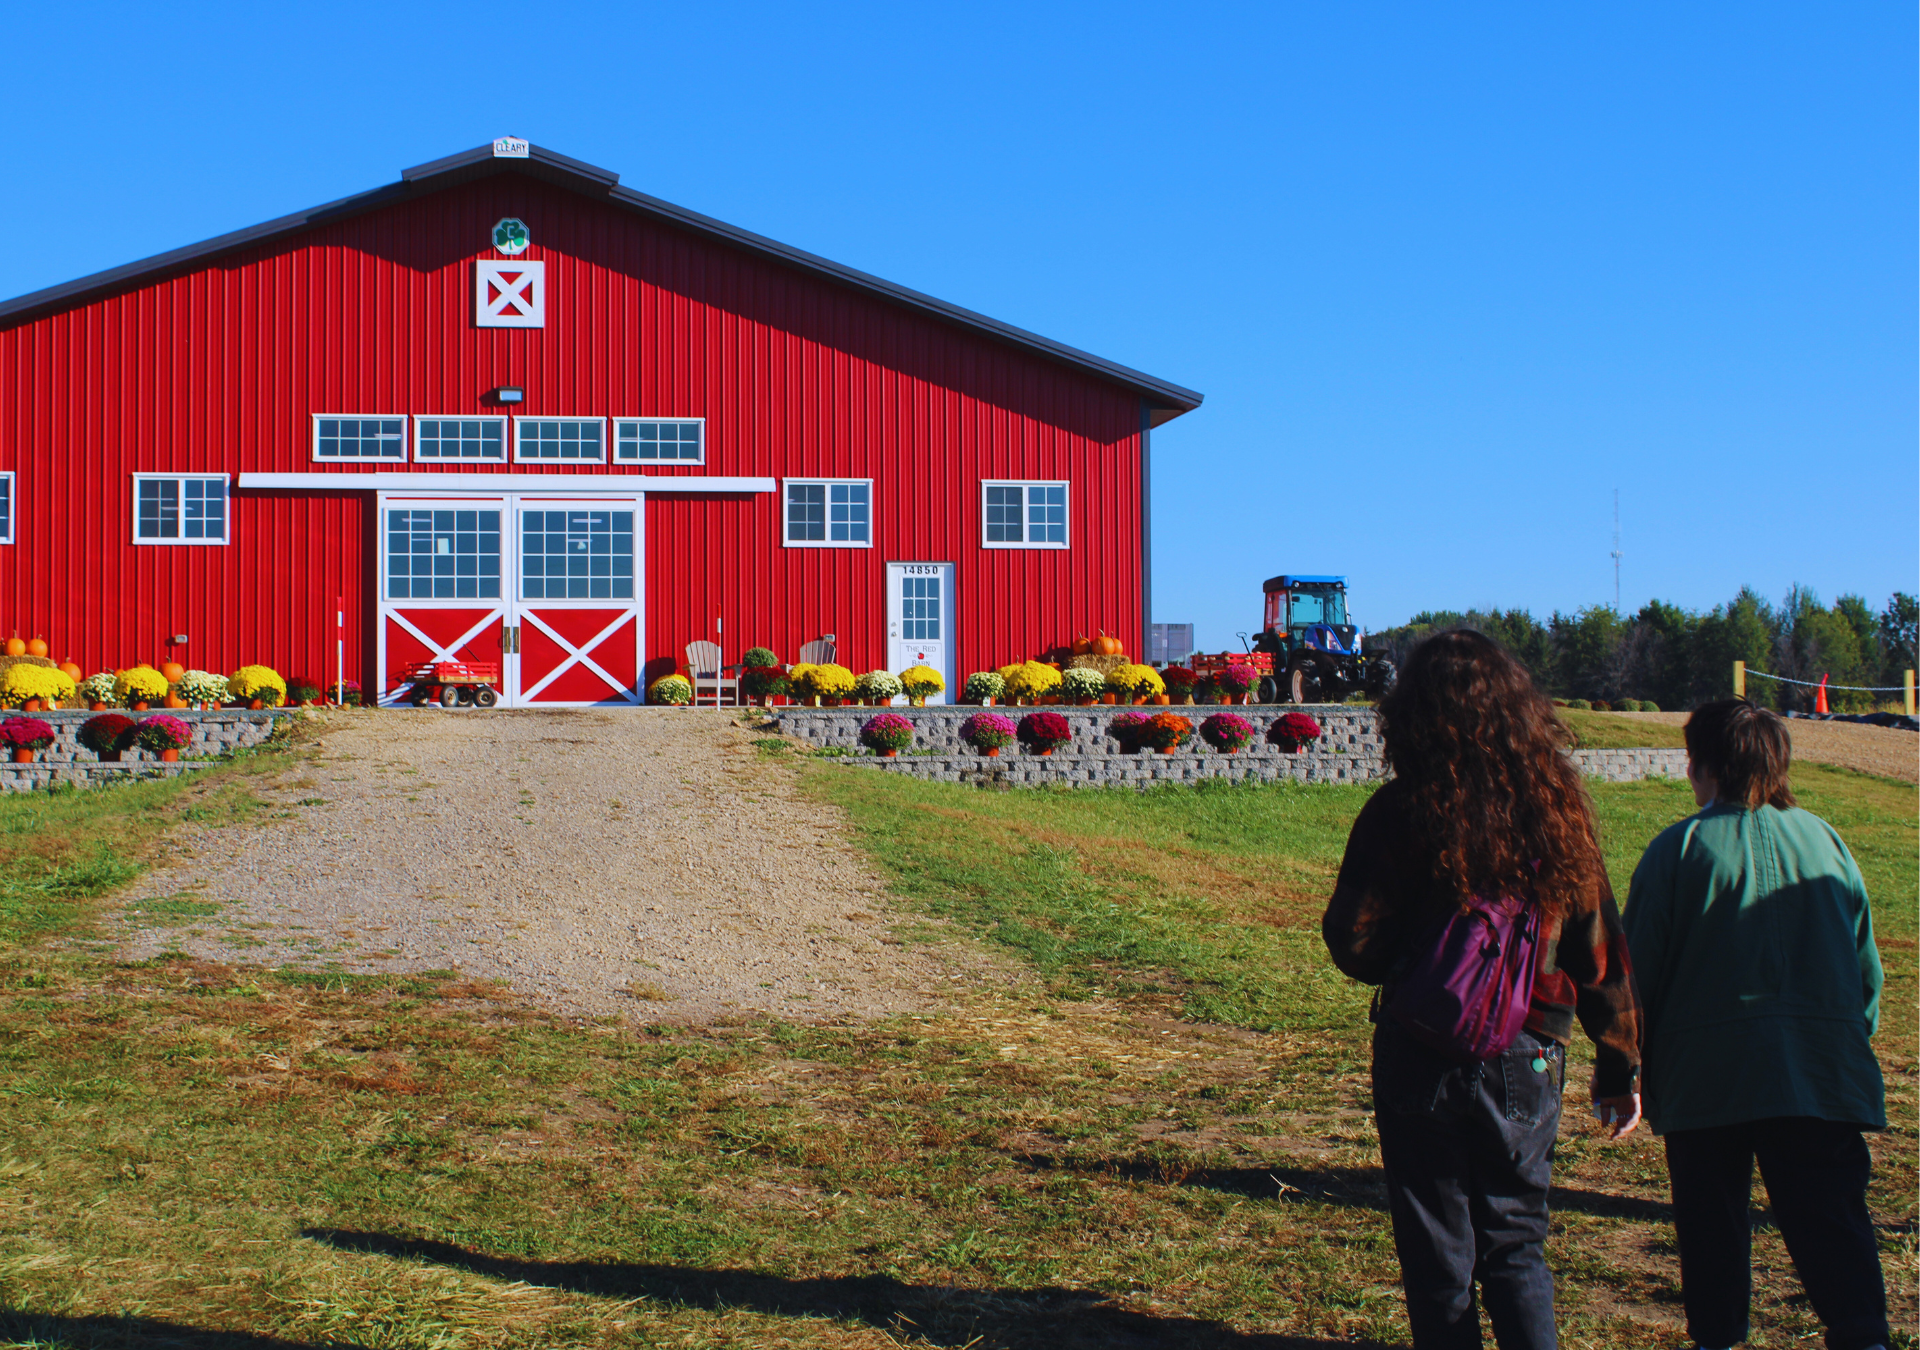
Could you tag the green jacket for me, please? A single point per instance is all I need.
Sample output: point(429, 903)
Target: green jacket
point(1752, 945)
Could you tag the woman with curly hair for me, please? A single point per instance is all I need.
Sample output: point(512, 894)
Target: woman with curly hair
point(1484, 812)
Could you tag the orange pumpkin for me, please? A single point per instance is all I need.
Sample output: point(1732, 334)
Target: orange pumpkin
point(1107, 646)
point(72, 669)
point(37, 647)
point(173, 670)
point(16, 647)
point(1082, 646)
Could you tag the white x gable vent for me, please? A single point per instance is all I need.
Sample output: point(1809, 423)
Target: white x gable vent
point(508, 293)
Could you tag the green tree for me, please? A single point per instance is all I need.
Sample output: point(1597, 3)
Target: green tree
point(1897, 625)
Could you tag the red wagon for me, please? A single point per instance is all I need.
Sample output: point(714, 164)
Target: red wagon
point(452, 684)
point(1205, 664)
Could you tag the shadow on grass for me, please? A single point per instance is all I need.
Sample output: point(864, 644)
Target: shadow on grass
point(984, 1319)
point(137, 1333)
point(1354, 1187)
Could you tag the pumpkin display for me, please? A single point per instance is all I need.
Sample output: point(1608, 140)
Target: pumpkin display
point(1082, 646)
point(173, 670)
point(72, 669)
point(15, 646)
point(37, 647)
point(1104, 645)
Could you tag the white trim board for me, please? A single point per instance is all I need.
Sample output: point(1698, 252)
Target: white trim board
point(454, 483)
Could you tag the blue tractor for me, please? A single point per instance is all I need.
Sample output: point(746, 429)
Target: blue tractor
point(1316, 652)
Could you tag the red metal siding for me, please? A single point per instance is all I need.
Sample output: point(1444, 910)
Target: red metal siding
point(219, 370)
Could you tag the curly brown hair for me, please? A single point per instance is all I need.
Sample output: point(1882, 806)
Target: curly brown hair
point(1479, 754)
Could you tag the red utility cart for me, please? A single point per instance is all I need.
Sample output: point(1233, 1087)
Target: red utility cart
point(453, 684)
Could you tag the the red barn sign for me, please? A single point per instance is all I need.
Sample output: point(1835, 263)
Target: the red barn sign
point(512, 412)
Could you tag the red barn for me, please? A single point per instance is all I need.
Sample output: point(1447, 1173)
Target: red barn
point(509, 410)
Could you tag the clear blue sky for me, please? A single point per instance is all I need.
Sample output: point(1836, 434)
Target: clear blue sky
point(1447, 276)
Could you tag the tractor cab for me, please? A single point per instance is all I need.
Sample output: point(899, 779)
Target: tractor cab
point(1309, 612)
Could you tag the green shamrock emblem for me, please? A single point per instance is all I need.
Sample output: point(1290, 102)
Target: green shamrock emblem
point(510, 236)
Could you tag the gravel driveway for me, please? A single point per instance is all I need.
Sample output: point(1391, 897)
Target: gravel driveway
point(648, 862)
point(1887, 751)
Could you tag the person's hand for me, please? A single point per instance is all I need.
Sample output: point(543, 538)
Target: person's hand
point(1619, 1114)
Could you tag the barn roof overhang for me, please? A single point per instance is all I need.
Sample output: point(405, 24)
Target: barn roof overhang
point(1163, 399)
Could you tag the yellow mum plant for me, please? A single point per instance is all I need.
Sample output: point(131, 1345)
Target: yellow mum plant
point(919, 681)
point(141, 684)
point(261, 682)
point(797, 679)
point(23, 682)
point(830, 681)
point(671, 689)
point(1032, 679)
point(1136, 680)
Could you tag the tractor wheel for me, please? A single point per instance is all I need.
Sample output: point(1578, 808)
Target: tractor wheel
point(485, 697)
point(449, 695)
point(1303, 683)
point(418, 698)
point(1268, 691)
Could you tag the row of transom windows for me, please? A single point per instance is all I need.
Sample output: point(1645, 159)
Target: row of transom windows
point(536, 440)
point(815, 512)
point(838, 513)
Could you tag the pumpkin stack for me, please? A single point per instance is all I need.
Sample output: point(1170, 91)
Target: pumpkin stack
point(20, 652)
point(1101, 653)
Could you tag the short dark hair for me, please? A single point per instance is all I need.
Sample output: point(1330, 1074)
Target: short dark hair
point(1746, 748)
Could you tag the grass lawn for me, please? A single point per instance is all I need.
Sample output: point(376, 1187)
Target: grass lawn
point(1162, 1139)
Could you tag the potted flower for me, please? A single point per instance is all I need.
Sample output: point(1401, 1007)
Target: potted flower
point(879, 687)
point(1129, 729)
point(1044, 732)
point(1030, 680)
point(165, 736)
point(764, 683)
point(100, 690)
point(107, 735)
point(760, 656)
point(33, 688)
point(1166, 732)
point(1136, 683)
point(1293, 732)
point(1229, 733)
point(138, 686)
point(673, 690)
point(887, 734)
point(1235, 681)
point(203, 690)
point(830, 683)
point(984, 686)
point(23, 736)
point(921, 683)
point(258, 687)
point(1180, 682)
point(301, 691)
point(1084, 687)
point(987, 732)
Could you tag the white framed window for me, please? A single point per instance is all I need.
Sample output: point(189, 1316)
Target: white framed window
point(1023, 515)
point(827, 513)
point(459, 438)
point(672, 440)
point(6, 508)
point(180, 508)
point(338, 438)
point(559, 440)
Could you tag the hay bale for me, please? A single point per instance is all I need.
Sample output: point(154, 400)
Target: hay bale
point(1106, 665)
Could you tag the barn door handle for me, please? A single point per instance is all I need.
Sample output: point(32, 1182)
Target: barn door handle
point(510, 641)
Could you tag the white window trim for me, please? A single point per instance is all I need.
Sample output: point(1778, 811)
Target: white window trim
point(518, 458)
point(1025, 522)
point(613, 448)
point(226, 516)
point(13, 506)
point(872, 511)
point(313, 442)
point(506, 435)
point(528, 306)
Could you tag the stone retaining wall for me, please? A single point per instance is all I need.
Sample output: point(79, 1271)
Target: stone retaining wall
point(66, 761)
point(1349, 751)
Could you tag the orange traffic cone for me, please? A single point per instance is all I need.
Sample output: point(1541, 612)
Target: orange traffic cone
point(1820, 696)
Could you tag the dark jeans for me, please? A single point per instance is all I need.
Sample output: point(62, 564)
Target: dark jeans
point(1468, 1150)
point(1816, 1174)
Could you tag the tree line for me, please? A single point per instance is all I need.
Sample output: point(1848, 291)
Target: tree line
point(1680, 658)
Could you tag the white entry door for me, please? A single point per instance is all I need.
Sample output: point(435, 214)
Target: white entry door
point(920, 620)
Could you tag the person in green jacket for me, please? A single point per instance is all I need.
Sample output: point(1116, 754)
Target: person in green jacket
point(1752, 944)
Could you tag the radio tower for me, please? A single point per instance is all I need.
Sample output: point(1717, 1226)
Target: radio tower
point(1616, 550)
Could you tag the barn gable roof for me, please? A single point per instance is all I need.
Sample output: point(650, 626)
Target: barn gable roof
point(1165, 399)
